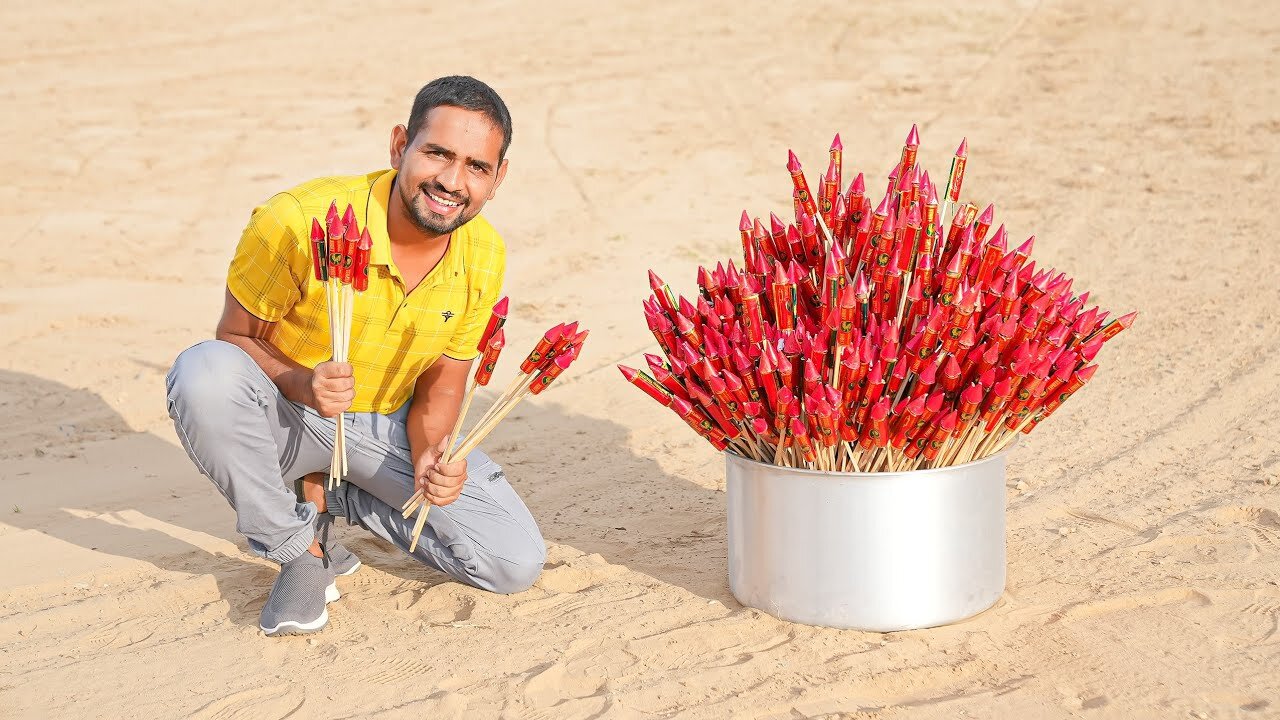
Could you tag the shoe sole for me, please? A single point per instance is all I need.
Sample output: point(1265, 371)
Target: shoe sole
point(353, 569)
point(292, 627)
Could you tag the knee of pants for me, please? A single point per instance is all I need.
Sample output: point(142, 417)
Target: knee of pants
point(203, 375)
point(513, 574)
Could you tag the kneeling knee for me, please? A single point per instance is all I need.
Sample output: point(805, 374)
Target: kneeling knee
point(512, 575)
point(201, 372)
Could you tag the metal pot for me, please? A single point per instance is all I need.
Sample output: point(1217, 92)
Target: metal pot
point(871, 551)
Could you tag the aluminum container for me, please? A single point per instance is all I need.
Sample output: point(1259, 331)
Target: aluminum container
point(871, 551)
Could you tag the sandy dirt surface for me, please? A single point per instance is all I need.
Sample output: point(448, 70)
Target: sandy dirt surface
point(1137, 140)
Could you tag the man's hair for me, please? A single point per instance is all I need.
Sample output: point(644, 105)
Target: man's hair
point(467, 93)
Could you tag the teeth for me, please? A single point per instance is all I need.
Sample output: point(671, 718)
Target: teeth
point(442, 201)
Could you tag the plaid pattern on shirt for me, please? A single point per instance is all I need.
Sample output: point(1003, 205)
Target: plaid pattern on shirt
point(394, 336)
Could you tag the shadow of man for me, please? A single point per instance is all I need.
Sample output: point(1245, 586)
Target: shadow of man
point(78, 475)
point(590, 490)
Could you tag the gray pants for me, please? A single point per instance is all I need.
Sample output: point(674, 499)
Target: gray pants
point(253, 443)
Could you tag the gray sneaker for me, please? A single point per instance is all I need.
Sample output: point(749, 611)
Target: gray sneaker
point(341, 560)
point(297, 601)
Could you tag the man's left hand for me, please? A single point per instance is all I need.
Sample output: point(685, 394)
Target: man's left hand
point(440, 482)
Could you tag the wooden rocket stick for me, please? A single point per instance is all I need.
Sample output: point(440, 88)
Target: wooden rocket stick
point(417, 526)
point(478, 433)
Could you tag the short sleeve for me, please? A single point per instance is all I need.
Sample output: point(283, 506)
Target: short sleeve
point(485, 272)
point(273, 259)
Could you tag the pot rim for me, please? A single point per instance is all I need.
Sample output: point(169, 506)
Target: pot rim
point(730, 455)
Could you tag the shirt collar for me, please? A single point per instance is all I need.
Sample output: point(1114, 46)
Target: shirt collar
point(376, 221)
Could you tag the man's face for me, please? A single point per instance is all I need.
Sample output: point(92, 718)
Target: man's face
point(449, 169)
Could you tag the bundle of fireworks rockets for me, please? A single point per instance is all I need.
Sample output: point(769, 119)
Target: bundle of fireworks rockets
point(550, 357)
point(340, 260)
point(868, 339)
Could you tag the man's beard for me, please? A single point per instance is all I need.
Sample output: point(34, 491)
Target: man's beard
point(431, 222)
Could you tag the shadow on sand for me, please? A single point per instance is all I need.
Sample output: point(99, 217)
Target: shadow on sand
point(132, 494)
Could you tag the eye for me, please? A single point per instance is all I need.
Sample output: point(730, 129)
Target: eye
point(479, 170)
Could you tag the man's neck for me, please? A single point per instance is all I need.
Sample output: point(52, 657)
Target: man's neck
point(414, 252)
point(405, 235)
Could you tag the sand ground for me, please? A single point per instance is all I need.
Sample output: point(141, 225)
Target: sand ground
point(1137, 140)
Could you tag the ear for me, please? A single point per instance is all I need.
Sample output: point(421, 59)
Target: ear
point(502, 173)
point(399, 141)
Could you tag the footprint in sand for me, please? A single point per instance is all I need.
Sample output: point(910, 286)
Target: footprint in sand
point(1254, 620)
point(706, 644)
point(1102, 522)
point(439, 606)
point(123, 633)
point(372, 582)
point(1264, 607)
point(1169, 596)
point(269, 702)
point(343, 631)
point(552, 684)
point(159, 611)
point(552, 606)
point(576, 686)
point(1263, 523)
point(389, 670)
point(406, 594)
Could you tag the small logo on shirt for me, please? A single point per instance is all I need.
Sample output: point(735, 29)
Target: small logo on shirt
point(446, 314)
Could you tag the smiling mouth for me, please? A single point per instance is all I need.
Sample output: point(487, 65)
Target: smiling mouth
point(441, 200)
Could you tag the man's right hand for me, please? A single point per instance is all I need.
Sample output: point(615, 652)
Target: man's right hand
point(333, 387)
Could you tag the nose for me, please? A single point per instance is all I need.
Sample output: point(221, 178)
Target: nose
point(451, 177)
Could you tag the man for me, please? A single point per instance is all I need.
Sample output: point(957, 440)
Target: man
point(256, 407)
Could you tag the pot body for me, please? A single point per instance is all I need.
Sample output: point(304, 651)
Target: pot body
point(870, 551)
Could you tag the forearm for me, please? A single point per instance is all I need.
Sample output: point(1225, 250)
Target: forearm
point(437, 399)
point(253, 335)
point(292, 378)
point(431, 418)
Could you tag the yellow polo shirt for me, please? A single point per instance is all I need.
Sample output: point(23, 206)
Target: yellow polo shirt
point(394, 336)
